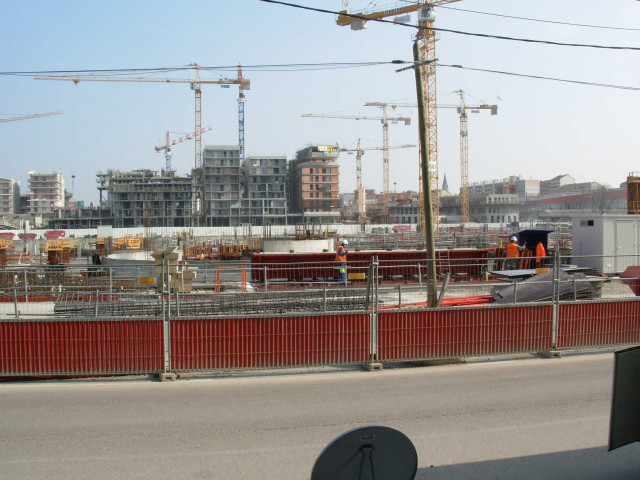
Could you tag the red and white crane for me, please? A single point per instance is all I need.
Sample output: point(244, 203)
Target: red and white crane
point(170, 143)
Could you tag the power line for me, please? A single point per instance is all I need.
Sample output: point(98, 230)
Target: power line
point(459, 32)
point(258, 67)
point(296, 67)
point(540, 77)
point(539, 19)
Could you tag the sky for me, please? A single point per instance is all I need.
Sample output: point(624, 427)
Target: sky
point(543, 128)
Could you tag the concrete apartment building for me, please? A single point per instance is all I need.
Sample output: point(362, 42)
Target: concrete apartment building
point(9, 196)
point(265, 192)
point(144, 197)
point(313, 185)
point(495, 208)
point(222, 186)
point(46, 193)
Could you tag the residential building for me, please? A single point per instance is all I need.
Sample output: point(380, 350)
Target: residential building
point(265, 199)
point(9, 196)
point(551, 187)
point(527, 188)
point(46, 193)
point(146, 198)
point(222, 186)
point(503, 186)
point(494, 208)
point(313, 185)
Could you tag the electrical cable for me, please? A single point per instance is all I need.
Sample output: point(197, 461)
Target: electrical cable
point(459, 32)
point(538, 19)
point(540, 77)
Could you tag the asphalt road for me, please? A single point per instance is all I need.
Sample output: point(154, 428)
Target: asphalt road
point(518, 419)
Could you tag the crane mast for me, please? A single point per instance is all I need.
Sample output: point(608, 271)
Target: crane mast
point(464, 149)
point(359, 189)
point(241, 100)
point(196, 86)
point(169, 143)
point(384, 119)
point(427, 51)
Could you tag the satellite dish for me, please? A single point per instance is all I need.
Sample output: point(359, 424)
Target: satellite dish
point(367, 453)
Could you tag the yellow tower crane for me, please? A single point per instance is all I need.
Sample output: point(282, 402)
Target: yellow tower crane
point(464, 149)
point(196, 85)
point(26, 117)
point(384, 119)
point(359, 151)
point(427, 38)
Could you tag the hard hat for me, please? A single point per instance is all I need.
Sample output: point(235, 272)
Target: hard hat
point(344, 242)
point(513, 239)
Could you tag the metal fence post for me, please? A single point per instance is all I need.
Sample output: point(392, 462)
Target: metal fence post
point(26, 289)
point(399, 296)
point(96, 310)
point(110, 280)
point(555, 299)
point(373, 344)
point(15, 302)
point(266, 282)
point(515, 291)
point(166, 342)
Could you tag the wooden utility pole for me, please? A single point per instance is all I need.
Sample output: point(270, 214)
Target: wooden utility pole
point(432, 289)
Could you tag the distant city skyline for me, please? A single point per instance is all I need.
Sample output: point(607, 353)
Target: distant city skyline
point(543, 128)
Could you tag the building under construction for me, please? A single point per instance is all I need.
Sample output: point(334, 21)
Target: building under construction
point(147, 198)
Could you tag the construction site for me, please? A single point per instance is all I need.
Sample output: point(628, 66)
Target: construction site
point(235, 265)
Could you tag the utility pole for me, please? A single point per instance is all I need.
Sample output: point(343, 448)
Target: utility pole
point(432, 289)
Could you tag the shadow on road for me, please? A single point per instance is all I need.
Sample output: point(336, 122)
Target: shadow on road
point(587, 464)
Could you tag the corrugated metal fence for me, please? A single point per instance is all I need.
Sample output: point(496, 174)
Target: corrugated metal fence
point(135, 346)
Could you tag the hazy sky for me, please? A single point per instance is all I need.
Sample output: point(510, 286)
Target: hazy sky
point(543, 128)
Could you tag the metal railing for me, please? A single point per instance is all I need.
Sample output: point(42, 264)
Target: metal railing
point(67, 322)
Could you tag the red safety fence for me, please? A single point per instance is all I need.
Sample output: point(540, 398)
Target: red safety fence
point(97, 347)
point(404, 335)
point(202, 344)
point(82, 347)
point(598, 324)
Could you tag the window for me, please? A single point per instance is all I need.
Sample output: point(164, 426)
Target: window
point(586, 223)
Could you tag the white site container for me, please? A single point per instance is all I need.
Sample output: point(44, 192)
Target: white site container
point(608, 243)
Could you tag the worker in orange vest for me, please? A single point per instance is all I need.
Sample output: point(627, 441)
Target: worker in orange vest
point(341, 259)
point(540, 254)
point(513, 254)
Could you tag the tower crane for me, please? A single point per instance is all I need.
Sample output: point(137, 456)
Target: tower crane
point(384, 119)
point(170, 143)
point(241, 115)
point(26, 117)
point(464, 150)
point(464, 157)
point(196, 85)
point(359, 151)
point(427, 41)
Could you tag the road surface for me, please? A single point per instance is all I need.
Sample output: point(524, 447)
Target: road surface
point(526, 418)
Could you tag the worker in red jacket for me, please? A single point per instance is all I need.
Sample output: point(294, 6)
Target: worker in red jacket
point(540, 254)
point(341, 260)
point(513, 254)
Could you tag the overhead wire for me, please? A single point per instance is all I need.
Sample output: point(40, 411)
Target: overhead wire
point(605, 27)
point(446, 30)
point(294, 67)
point(541, 77)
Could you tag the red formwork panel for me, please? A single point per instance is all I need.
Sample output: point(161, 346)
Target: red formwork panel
point(468, 331)
point(203, 344)
point(80, 347)
point(598, 323)
point(392, 263)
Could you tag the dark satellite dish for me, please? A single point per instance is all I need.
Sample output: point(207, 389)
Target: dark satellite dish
point(367, 453)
